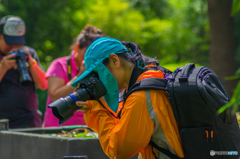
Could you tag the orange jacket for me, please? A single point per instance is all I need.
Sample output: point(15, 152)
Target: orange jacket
point(125, 137)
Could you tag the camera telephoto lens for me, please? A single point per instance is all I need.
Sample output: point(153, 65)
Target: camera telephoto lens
point(64, 108)
point(89, 88)
point(25, 78)
point(21, 58)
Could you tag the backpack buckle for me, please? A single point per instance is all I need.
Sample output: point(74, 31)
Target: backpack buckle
point(183, 79)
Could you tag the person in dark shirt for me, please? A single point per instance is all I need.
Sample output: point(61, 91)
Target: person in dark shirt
point(18, 102)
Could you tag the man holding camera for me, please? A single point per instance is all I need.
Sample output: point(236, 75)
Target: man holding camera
point(20, 70)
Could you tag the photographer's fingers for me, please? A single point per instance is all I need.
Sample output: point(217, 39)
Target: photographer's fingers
point(29, 55)
point(22, 47)
point(31, 60)
point(7, 62)
point(8, 57)
point(82, 105)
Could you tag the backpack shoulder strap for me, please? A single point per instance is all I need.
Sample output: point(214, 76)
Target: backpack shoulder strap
point(164, 151)
point(152, 84)
point(147, 83)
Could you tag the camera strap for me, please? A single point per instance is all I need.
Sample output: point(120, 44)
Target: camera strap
point(135, 74)
point(1, 56)
point(69, 68)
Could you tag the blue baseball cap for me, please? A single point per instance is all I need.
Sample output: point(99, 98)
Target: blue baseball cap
point(99, 50)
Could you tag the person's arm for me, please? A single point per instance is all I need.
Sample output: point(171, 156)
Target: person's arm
point(6, 64)
point(56, 83)
point(128, 136)
point(57, 87)
point(38, 74)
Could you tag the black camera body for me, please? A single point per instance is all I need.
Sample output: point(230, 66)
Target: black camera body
point(88, 88)
point(21, 58)
point(20, 54)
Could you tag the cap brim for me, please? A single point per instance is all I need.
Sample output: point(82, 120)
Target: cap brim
point(83, 75)
point(12, 40)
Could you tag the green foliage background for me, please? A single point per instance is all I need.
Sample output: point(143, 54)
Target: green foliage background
point(173, 31)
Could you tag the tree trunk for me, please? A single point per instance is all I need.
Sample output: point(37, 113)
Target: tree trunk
point(223, 45)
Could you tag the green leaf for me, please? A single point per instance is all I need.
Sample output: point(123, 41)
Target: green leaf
point(233, 102)
point(232, 77)
point(235, 7)
point(223, 108)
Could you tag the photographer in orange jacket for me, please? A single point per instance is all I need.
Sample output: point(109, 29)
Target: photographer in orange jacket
point(145, 115)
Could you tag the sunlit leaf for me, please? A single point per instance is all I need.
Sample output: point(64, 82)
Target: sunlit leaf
point(235, 7)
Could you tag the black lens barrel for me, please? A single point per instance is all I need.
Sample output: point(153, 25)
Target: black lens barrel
point(64, 108)
point(25, 78)
point(21, 58)
point(89, 88)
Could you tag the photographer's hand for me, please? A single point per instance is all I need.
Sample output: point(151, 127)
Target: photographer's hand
point(82, 105)
point(31, 60)
point(6, 64)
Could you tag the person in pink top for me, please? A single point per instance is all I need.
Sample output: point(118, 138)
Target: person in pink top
point(64, 70)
